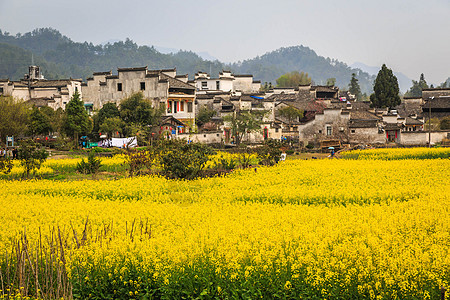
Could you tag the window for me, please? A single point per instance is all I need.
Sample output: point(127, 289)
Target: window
point(329, 131)
point(353, 131)
point(276, 129)
point(1, 90)
point(217, 85)
point(204, 85)
point(76, 89)
point(320, 131)
point(189, 107)
point(119, 87)
point(182, 106)
point(142, 86)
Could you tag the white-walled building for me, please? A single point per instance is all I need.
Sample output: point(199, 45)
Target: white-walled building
point(227, 82)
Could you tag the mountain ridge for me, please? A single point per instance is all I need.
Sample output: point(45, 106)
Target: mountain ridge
point(61, 57)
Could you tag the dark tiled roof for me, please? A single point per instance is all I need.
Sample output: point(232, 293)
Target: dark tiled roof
point(132, 69)
point(242, 75)
point(103, 73)
point(112, 77)
point(362, 124)
point(175, 83)
point(392, 126)
point(411, 121)
point(321, 88)
point(51, 83)
point(438, 102)
point(363, 115)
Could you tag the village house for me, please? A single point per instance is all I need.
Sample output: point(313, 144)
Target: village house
point(226, 82)
point(162, 87)
point(35, 89)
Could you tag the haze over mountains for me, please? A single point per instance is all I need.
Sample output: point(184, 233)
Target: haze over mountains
point(60, 57)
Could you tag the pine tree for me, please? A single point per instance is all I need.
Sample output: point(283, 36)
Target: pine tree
point(386, 90)
point(354, 88)
point(76, 119)
point(417, 87)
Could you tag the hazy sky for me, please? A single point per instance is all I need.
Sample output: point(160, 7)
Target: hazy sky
point(410, 36)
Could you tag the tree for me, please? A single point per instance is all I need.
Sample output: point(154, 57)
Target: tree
point(204, 115)
point(76, 119)
point(290, 113)
point(354, 88)
point(111, 125)
point(109, 110)
point(331, 81)
point(40, 122)
point(293, 79)
point(386, 91)
point(14, 117)
point(244, 122)
point(31, 157)
point(417, 87)
point(138, 110)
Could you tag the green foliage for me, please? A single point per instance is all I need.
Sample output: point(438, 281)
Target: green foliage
point(417, 87)
point(139, 161)
point(14, 117)
point(224, 163)
point(6, 165)
point(180, 160)
point(109, 110)
point(331, 81)
point(444, 124)
point(138, 110)
point(290, 113)
point(111, 125)
point(245, 122)
point(354, 88)
point(269, 153)
point(40, 122)
point(76, 119)
point(92, 165)
point(386, 90)
point(31, 157)
point(293, 79)
point(204, 115)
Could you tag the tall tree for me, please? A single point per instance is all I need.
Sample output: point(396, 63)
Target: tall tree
point(354, 88)
point(386, 90)
point(293, 79)
point(40, 122)
point(417, 87)
point(14, 117)
point(109, 110)
point(76, 119)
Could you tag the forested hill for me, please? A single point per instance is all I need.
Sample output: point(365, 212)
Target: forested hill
point(299, 58)
point(60, 57)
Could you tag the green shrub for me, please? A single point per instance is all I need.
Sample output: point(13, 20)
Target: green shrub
point(92, 165)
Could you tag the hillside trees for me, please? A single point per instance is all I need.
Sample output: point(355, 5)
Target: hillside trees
point(293, 79)
point(386, 90)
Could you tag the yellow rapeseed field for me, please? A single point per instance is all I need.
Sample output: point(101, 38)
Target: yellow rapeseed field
point(314, 229)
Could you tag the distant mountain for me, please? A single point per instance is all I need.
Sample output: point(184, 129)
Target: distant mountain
point(60, 57)
point(272, 65)
point(403, 81)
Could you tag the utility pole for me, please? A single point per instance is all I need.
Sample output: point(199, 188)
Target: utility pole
point(429, 121)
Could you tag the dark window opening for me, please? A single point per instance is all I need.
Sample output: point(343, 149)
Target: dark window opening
point(320, 131)
point(119, 87)
point(142, 86)
point(1, 90)
point(353, 130)
point(189, 107)
point(217, 85)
